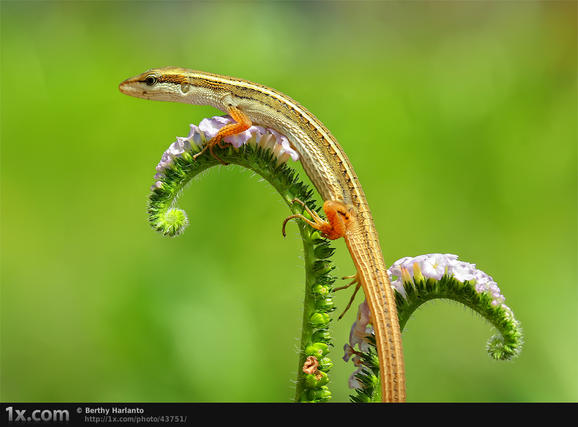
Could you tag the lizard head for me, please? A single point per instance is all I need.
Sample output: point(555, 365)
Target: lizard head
point(161, 84)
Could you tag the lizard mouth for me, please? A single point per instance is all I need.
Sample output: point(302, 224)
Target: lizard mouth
point(127, 87)
point(135, 87)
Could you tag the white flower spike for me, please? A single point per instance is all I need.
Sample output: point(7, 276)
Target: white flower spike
point(414, 270)
point(208, 128)
point(434, 266)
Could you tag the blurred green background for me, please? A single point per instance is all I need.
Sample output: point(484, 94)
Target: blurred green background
point(459, 117)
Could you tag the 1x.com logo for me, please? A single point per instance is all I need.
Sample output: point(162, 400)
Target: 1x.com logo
point(19, 415)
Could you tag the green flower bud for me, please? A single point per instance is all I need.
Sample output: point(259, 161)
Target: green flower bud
point(323, 251)
point(321, 290)
point(321, 394)
point(325, 304)
point(317, 237)
point(322, 267)
point(325, 364)
point(319, 319)
point(318, 350)
point(321, 335)
point(172, 222)
point(316, 380)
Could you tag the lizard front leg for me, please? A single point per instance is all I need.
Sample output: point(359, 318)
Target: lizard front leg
point(241, 124)
point(339, 219)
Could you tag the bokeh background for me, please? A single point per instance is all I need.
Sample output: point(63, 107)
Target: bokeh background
point(459, 117)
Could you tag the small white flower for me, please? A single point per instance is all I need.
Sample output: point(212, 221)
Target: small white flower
point(210, 126)
point(395, 269)
point(463, 271)
point(195, 136)
point(397, 284)
point(166, 161)
point(433, 265)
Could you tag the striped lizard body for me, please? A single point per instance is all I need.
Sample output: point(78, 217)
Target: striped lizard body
point(327, 166)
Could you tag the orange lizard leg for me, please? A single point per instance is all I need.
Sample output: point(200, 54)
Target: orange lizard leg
point(338, 219)
point(318, 223)
point(353, 282)
point(241, 124)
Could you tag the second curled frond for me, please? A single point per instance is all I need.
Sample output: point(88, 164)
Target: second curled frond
point(433, 276)
point(417, 280)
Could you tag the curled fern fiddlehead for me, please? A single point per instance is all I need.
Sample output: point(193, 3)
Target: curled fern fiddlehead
point(424, 278)
point(264, 153)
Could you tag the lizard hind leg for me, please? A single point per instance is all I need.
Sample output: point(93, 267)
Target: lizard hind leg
point(355, 281)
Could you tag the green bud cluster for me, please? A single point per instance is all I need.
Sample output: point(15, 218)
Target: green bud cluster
point(315, 338)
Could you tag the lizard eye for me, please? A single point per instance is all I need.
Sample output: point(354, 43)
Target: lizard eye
point(150, 80)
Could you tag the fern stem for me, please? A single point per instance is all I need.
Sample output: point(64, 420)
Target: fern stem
point(171, 221)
